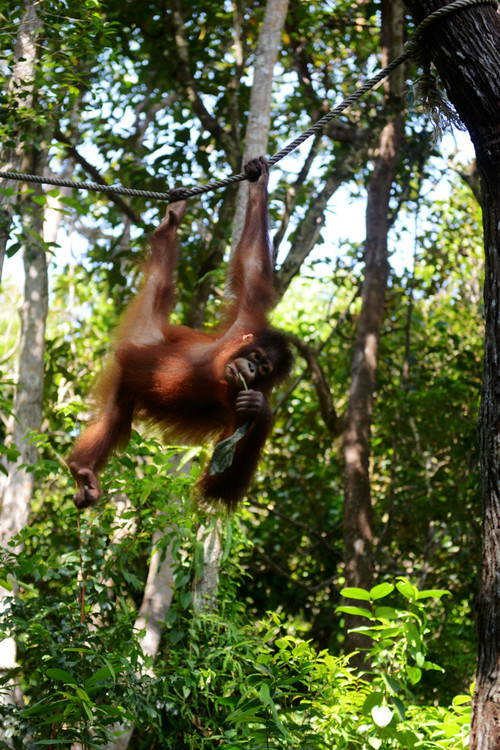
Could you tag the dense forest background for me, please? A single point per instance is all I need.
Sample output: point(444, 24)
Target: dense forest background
point(148, 622)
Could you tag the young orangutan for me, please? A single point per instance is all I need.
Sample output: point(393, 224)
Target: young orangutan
point(188, 381)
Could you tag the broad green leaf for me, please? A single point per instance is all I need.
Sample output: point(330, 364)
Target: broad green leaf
point(399, 706)
point(451, 729)
point(355, 593)
point(176, 636)
point(459, 700)
point(408, 591)
point(62, 675)
point(372, 699)
point(392, 684)
point(414, 635)
point(355, 611)
point(223, 453)
point(414, 674)
point(392, 632)
point(385, 613)
point(383, 589)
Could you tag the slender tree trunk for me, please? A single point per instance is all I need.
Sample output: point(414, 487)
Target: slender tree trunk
point(259, 115)
point(465, 47)
point(156, 602)
point(356, 438)
point(21, 90)
point(16, 488)
point(206, 585)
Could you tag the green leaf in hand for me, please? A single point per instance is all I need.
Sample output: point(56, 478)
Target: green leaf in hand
point(223, 454)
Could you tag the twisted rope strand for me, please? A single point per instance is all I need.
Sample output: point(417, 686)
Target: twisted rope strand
point(94, 187)
point(181, 193)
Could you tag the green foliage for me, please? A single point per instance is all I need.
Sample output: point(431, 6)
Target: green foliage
point(72, 612)
point(218, 678)
point(397, 660)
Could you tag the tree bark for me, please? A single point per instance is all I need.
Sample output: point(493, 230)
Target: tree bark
point(158, 595)
point(16, 488)
point(259, 115)
point(356, 438)
point(21, 90)
point(205, 587)
point(465, 48)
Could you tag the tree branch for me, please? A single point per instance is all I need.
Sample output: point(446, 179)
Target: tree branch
point(74, 154)
point(320, 383)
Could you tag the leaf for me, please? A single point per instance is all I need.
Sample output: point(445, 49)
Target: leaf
point(400, 707)
point(383, 589)
point(82, 695)
point(102, 674)
point(186, 598)
point(414, 637)
point(382, 715)
point(372, 699)
point(264, 694)
point(40, 708)
point(433, 593)
point(355, 611)
point(460, 700)
point(176, 636)
point(286, 734)
point(62, 675)
point(354, 593)
point(385, 613)
point(88, 712)
point(392, 684)
point(223, 453)
point(414, 674)
point(404, 587)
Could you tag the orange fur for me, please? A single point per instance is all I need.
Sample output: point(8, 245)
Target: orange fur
point(177, 376)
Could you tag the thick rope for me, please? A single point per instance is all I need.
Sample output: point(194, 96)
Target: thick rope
point(411, 50)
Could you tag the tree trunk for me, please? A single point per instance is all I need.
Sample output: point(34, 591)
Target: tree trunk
point(356, 438)
point(16, 488)
point(259, 115)
point(21, 90)
point(465, 47)
point(205, 587)
point(158, 595)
